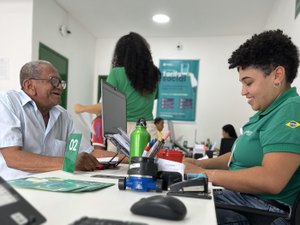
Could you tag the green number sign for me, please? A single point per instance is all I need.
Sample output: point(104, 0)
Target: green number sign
point(71, 152)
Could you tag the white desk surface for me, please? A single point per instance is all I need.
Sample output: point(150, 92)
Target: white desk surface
point(110, 203)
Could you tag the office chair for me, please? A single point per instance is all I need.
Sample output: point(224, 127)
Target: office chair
point(262, 217)
point(226, 145)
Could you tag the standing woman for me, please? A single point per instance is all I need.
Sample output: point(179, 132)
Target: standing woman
point(134, 74)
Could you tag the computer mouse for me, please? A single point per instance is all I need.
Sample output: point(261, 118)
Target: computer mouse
point(164, 207)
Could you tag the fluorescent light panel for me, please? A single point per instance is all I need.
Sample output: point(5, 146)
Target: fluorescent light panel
point(161, 18)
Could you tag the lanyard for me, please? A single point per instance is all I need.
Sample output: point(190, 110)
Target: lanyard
point(232, 151)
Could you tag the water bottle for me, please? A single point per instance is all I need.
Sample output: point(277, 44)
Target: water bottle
point(139, 138)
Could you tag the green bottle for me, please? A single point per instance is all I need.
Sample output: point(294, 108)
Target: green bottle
point(139, 138)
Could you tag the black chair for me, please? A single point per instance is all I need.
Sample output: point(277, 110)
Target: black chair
point(261, 217)
point(226, 145)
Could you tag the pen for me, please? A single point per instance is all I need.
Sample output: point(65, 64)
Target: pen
point(159, 144)
point(148, 147)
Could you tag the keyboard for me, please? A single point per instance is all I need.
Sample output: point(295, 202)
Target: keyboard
point(98, 221)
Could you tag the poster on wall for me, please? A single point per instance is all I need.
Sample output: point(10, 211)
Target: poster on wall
point(297, 9)
point(177, 90)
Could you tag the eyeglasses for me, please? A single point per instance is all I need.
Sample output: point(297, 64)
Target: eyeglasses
point(53, 80)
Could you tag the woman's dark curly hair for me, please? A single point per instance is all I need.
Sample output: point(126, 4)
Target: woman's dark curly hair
point(133, 53)
point(266, 51)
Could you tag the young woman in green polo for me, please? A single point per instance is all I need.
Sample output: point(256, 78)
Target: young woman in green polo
point(263, 169)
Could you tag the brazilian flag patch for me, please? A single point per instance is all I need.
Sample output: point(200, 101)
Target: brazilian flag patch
point(293, 124)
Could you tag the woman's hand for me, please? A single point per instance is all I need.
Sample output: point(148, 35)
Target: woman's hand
point(78, 108)
point(191, 166)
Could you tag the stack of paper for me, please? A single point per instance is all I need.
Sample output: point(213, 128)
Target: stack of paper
point(59, 184)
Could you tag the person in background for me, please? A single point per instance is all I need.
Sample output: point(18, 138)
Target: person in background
point(34, 128)
point(134, 73)
point(263, 170)
point(159, 123)
point(98, 140)
point(228, 131)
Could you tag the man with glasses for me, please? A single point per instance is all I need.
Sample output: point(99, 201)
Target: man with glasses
point(34, 128)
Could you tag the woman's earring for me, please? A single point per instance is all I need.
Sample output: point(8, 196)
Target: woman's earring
point(276, 85)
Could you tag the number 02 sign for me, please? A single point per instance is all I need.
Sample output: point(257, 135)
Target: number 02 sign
point(71, 152)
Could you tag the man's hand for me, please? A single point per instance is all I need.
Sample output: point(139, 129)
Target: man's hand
point(86, 162)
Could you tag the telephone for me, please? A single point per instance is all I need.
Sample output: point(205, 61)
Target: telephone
point(14, 209)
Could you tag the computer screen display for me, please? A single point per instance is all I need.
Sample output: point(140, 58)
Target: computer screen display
point(113, 109)
point(172, 132)
point(173, 140)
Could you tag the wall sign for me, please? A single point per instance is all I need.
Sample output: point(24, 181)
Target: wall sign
point(71, 152)
point(177, 90)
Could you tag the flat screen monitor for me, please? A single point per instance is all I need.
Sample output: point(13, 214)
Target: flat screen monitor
point(113, 109)
point(173, 138)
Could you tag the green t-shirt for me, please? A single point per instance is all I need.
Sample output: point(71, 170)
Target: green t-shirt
point(276, 129)
point(137, 105)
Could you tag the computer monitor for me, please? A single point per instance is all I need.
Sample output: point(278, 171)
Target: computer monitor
point(113, 109)
point(173, 140)
point(226, 145)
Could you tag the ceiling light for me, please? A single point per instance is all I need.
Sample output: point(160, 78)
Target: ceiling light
point(161, 18)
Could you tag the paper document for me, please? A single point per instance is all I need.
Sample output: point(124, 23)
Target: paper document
point(168, 165)
point(122, 141)
point(124, 135)
point(59, 184)
point(111, 160)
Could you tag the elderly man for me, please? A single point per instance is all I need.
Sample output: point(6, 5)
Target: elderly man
point(34, 128)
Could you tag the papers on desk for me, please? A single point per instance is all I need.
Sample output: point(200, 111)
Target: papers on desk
point(121, 141)
point(171, 166)
point(108, 160)
point(59, 184)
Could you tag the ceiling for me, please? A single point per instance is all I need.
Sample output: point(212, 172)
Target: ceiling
point(188, 18)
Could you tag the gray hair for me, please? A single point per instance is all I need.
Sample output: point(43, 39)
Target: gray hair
point(32, 69)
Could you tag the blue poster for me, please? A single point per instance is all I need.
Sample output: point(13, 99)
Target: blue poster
point(177, 92)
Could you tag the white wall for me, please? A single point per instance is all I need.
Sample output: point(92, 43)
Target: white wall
point(218, 95)
point(28, 22)
point(15, 40)
point(47, 18)
point(219, 100)
point(283, 17)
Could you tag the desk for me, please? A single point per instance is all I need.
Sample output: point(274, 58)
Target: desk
point(109, 203)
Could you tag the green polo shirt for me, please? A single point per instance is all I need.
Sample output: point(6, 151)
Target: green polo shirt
point(136, 105)
point(276, 129)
